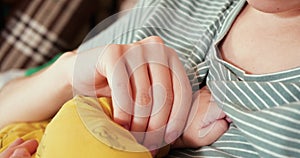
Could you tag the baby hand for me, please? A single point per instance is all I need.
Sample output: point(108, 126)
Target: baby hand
point(207, 122)
point(20, 149)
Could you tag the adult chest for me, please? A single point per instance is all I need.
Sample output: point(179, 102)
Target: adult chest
point(258, 45)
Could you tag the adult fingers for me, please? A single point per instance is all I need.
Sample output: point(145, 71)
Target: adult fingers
point(162, 92)
point(113, 65)
point(141, 89)
point(182, 99)
point(162, 105)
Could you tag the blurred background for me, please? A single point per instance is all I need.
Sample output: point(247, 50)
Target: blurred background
point(33, 31)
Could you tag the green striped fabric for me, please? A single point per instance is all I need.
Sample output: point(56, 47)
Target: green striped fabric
point(265, 109)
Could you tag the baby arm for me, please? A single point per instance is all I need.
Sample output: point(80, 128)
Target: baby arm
point(37, 97)
point(207, 122)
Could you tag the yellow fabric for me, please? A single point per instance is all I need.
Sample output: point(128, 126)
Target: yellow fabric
point(21, 130)
point(82, 128)
point(68, 135)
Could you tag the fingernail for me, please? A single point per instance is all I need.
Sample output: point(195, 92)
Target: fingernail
point(172, 137)
point(228, 119)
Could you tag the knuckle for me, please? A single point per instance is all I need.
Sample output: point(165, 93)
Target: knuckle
point(143, 98)
point(155, 39)
point(113, 50)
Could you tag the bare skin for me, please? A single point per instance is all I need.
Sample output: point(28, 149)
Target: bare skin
point(269, 40)
point(20, 149)
point(267, 33)
point(205, 125)
point(123, 72)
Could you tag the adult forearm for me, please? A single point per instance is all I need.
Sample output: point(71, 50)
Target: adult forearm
point(35, 98)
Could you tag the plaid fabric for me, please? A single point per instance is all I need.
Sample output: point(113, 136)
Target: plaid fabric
point(39, 29)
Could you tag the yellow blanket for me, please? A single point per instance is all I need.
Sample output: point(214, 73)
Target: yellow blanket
point(82, 128)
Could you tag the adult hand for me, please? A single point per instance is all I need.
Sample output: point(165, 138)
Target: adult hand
point(207, 125)
point(150, 90)
point(20, 149)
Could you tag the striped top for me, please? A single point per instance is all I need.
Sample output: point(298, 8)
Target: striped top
point(265, 109)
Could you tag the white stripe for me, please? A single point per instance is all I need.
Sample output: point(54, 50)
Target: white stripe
point(214, 71)
point(249, 99)
point(238, 98)
point(192, 62)
point(288, 91)
point(281, 116)
point(264, 149)
point(291, 110)
point(195, 55)
point(282, 126)
point(267, 132)
point(215, 150)
point(200, 48)
point(181, 24)
point(222, 68)
point(202, 13)
point(284, 78)
point(295, 85)
point(275, 90)
point(203, 66)
point(231, 142)
point(257, 96)
point(238, 149)
point(266, 93)
point(217, 97)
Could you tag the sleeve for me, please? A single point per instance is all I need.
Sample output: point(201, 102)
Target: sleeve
point(124, 30)
point(168, 20)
